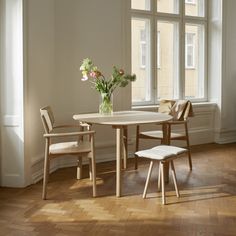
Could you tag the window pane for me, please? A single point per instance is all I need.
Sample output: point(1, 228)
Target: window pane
point(189, 50)
point(168, 6)
point(141, 60)
point(194, 7)
point(167, 73)
point(194, 61)
point(140, 4)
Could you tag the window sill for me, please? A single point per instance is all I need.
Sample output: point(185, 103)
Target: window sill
point(206, 106)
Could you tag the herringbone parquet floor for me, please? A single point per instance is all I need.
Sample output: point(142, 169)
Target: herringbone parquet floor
point(207, 205)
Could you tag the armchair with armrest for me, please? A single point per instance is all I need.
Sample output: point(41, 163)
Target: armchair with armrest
point(181, 110)
point(80, 147)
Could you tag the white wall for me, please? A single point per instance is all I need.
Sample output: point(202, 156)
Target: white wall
point(222, 76)
point(60, 33)
point(74, 30)
point(40, 73)
point(228, 118)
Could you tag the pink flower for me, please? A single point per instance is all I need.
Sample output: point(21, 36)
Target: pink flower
point(93, 74)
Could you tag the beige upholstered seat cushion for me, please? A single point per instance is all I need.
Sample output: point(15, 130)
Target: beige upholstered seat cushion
point(70, 148)
point(161, 152)
point(172, 149)
point(159, 134)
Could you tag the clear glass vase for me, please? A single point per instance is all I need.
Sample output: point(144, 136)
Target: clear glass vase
point(106, 104)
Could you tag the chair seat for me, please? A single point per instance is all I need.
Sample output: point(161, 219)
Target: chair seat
point(159, 135)
point(70, 148)
point(161, 152)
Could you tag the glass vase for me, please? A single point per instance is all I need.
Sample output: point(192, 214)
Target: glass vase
point(106, 104)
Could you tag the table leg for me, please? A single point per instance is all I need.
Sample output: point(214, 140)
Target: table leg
point(125, 147)
point(166, 141)
point(118, 160)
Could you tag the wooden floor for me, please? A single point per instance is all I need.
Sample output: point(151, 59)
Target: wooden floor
point(207, 205)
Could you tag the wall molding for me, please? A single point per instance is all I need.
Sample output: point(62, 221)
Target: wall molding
point(202, 130)
point(106, 152)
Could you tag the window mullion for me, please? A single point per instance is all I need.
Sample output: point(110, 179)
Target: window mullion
point(182, 52)
point(154, 60)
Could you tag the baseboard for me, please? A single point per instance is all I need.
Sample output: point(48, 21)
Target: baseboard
point(12, 180)
point(225, 136)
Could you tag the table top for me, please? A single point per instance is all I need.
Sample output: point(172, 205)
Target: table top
point(121, 118)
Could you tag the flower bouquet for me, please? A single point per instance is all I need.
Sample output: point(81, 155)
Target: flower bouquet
point(103, 85)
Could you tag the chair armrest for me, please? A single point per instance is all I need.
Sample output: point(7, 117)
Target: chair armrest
point(68, 134)
point(65, 126)
point(177, 122)
point(81, 124)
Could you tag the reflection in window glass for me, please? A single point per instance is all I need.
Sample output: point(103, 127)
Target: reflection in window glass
point(140, 4)
point(194, 61)
point(141, 59)
point(143, 48)
point(189, 50)
point(194, 7)
point(168, 6)
point(167, 74)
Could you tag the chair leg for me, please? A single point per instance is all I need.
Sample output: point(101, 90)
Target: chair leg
point(148, 179)
point(93, 167)
point(136, 148)
point(94, 176)
point(188, 146)
point(174, 177)
point(159, 177)
point(46, 170)
point(90, 169)
point(79, 168)
point(163, 183)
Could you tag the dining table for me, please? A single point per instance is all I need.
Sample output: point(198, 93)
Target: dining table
point(120, 121)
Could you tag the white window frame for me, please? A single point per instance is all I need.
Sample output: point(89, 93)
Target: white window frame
point(183, 20)
point(158, 50)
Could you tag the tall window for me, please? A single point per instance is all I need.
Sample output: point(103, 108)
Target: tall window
point(168, 65)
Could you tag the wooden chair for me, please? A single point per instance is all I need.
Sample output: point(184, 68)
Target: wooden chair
point(180, 110)
point(161, 154)
point(80, 147)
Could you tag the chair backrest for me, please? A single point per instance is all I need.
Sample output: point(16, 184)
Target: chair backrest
point(47, 118)
point(180, 109)
point(165, 106)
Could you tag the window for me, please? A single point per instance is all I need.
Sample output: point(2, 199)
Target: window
point(180, 71)
point(189, 50)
